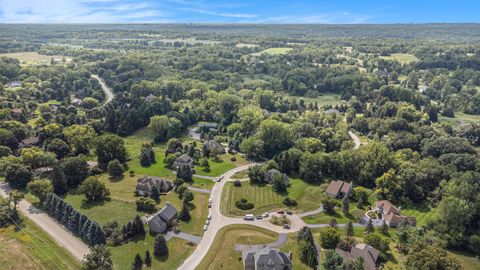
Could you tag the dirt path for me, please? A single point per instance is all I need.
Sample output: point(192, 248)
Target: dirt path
point(355, 138)
point(58, 233)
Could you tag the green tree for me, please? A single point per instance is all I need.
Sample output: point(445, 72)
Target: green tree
point(110, 147)
point(15, 196)
point(345, 205)
point(148, 259)
point(332, 260)
point(59, 147)
point(184, 214)
point(36, 157)
point(75, 170)
point(329, 238)
point(187, 196)
point(18, 176)
point(80, 137)
point(40, 189)
point(160, 247)
point(369, 227)
point(155, 194)
point(94, 190)
point(99, 258)
point(115, 169)
point(58, 180)
point(137, 262)
point(349, 229)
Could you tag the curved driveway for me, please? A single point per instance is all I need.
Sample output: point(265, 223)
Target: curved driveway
point(105, 88)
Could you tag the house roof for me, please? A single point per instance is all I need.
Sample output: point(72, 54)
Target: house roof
point(146, 184)
point(168, 212)
point(29, 141)
point(17, 111)
point(266, 259)
point(368, 253)
point(184, 159)
point(387, 207)
point(334, 187)
point(393, 218)
point(346, 187)
point(156, 224)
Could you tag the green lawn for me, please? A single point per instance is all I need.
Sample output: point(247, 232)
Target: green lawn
point(466, 260)
point(179, 250)
point(223, 165)
point(264, 198)
point(291, 246)
point(322, 100)
point(324, 218)
point(240, 175)
point(31, 248)
point(422, 213)
point(222, 254)
point(273, 51)
point(462, 117)
point(403, 58)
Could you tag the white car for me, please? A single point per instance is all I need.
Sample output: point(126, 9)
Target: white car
point(207, 222)
point(209, 217)
point(210, 200)
point(265, 215)
point(205, 227)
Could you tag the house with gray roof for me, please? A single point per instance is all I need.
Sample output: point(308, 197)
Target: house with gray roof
point(266, 259)
point(146, 184)
point(364, 251)
point(183, 160)
point(214, 146)
point(160, 221)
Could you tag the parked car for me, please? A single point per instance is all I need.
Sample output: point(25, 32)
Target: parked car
point(259, 217)
point(209, 216)
point(265, 215)
point(281, 212)
point(210, 200)
point(209, 205)
point(205, 227)
point(249, 217)
point(207, 222)
point(218, 179)
point(289, 212)
point(286, 226)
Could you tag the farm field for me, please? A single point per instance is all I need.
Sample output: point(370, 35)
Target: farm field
point(32, 249)
point(273, 51)
point(33, 57)
point(222, 255)
point(264, 198)
point(403, 58)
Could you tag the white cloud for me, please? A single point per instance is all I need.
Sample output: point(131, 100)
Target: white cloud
point(219, 14)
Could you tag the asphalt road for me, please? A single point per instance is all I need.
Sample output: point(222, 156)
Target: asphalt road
point(56, 231)
point(355, 138)
point(108, 91)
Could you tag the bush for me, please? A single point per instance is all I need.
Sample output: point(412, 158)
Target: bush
point(233, 158)
point(289, 202)
point(115, 168)
point(243, 204)
point(237, 183)
point(146, 204)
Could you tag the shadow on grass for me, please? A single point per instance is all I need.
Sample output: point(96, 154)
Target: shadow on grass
point(116, 179)
point(89, 205)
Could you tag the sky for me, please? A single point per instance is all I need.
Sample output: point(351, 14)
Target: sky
point(240, 11)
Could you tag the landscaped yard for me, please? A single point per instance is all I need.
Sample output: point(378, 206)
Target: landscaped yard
point(264, 198)
point(222, 254)
point(324, 218)
point(291, 245)
point(422, 213)
point(223, 165)
point(179, 250)
point(324, 99)
point(31, 248)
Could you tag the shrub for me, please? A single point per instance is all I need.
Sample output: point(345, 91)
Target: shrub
point(233, 158)
point(244, 204)
point(146, 204)
point(289, 202)
point(237, 183)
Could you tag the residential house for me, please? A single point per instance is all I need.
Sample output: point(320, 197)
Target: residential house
point(183, 160)
point(332, 111)
point(146, 184)
point(150, 98)
point(338, 189)
point(391, 214)
point(266, 259)
point(17, 113)
point(366, 252)
point(13, 84)
point(76, 102)
point(29, 142)
point(214, 146)
point(270, 174)
point(160, 221)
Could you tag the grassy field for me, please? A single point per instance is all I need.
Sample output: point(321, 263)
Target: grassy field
point(246, 45)
point(223, 165)
point(423, 213)
point(240, 175)
point(403, 58)
point(33, 57)
point(179, 250)
point(462, 117)
point(324, 218)
point(31, 248)
point(264, 198)
point(222, 254)
point(273, 51)
point(325, 99)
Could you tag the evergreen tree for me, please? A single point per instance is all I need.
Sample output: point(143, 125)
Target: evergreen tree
point(145, 159)
point(138, 225)
point(60, 210)
point(205, 151)
point(184, 214)
point(66, 214)
point(369, 228)
point(100, 237)
point(53, 206)
point(349, 229)
point(345, 205)
point(85, 229)
point(48, 201)
point(160, 247)
point(91, 233)
point(81, 222)
point(73, 221)
point(127, 230)
point(155, 194)
point(58, 180)
point(384, 228)
point(148, 259)
point(137, 262)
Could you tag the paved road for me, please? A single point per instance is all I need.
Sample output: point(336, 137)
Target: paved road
point(282, 238)
point(185, 236)
point(355, 138)
point(108, 91)
point(63, 237)
point(201, 190)
point(311, 213)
